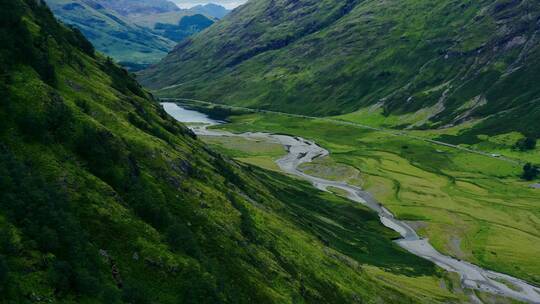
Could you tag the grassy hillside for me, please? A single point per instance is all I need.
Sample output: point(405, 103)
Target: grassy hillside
point(139, 7)
point(446, 62)
point(112, 33)
point(106, 199)
point(211, 9)
point(136, 35)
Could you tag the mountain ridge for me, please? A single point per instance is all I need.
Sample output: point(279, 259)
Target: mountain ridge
point(459, 63)
point(135, 35)
point(211, 9)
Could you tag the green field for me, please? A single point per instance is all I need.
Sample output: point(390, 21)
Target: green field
point(470, 206)
point(503, 144)
point(259, 153)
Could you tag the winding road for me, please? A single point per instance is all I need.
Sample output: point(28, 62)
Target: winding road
point(304, 151)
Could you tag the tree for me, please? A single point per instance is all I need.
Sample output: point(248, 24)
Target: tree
point(526, 144)
point(3, 272)
point(61, 276)
point(530, 172)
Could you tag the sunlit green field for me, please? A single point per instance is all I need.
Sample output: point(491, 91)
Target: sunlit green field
point(470, 206)
point(502, 144)
point(259, 153)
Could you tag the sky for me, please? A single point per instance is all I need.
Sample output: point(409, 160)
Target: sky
point(230, 4)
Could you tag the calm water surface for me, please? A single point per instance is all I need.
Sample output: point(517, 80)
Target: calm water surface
point(187, 116)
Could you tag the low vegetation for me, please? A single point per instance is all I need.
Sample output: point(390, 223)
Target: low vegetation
point(134, 33)
point(106, 199)
point(530, 172)
point(470, 206)
point(526, 144)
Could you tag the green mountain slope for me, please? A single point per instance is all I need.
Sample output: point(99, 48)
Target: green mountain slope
point(186, 25)
point(139, 7)
point(452, 61)
point(106, 199)
point(134, 33)
point(112, 33)
point(211, 9)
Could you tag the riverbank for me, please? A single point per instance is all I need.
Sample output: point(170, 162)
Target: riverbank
point(302, 151)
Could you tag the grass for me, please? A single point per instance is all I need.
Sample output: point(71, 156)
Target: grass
point(114, 34)
point(329, 169)
point(479, 202)
point(106, 199)
point(328, 58)
point(254, 152)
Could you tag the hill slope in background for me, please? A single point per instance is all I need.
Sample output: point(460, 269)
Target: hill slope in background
point(211, 9)
point(106, 199)
point(135, 33)
point(452, 61)
point(139, 7)
point(111, 32)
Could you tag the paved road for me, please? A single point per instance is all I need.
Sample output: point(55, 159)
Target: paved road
point(391, 132)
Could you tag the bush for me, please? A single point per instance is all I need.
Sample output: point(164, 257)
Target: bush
point(136, 295)
point(59, 118)
point(78, 40)
point(181, 238)
point(4, 271)
point(86, 283)
point(526, 144)
point(61, 276)
point(530, 172)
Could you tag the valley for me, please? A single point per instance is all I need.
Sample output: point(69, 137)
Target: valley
point(283, 151)
point(135, 33)
point(436, 203)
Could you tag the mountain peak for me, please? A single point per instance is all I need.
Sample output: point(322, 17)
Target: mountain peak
point(211, 9)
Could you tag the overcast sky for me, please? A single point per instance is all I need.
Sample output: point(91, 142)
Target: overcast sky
point(226, 3)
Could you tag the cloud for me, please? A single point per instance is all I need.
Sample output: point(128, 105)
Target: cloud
point(226, 3)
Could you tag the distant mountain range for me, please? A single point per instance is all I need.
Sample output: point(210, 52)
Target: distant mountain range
point(141, 7)
point(212, 10)
point(461, 62)
point(134, 32)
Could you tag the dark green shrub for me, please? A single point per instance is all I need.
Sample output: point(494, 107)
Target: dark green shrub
point(4, 272)
point(526, 144)
point(530, 172)
point(86, 284)
point(135, 295)
point(59, 118)
point(61, 276)
point(181, 238)
point(78, 39)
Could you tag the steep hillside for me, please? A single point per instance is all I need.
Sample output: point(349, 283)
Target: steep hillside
point(134, 33)
point(112, 33)
point(139, 7)
point(106, 199)
point(446, 61)
point(175, 26)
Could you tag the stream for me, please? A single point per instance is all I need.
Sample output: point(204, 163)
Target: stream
point(304, 151)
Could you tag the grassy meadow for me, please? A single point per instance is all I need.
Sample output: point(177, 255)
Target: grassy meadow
point(470, 206)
